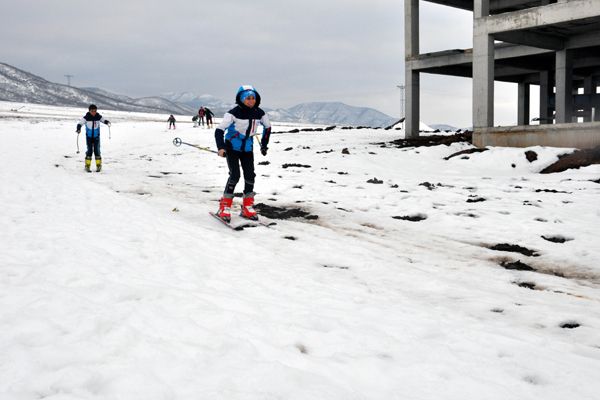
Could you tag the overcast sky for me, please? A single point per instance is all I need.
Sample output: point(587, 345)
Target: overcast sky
point(292, 51)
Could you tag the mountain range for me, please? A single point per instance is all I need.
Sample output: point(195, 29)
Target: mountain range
point(17, 85)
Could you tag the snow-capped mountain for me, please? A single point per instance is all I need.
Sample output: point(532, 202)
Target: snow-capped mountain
point(21, 86)
point(332, 113)
point(312, 113)
point(444, 127)
point(194, 101)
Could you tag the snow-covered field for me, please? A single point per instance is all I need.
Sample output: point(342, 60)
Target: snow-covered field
point(119, 285)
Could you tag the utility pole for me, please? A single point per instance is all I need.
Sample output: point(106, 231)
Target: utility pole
point(401, 87)
point(69, 79)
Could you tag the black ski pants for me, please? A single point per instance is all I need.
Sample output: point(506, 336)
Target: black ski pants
point(234, 160)
point(93, 146)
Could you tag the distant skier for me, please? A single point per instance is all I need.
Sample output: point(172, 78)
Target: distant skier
point(171, 121)
point(201, 116)
point(239, 127)
point(92, 120)
point(195, 120)
point(208, 114)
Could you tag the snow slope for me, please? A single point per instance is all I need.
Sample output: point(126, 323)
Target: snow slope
point(118, 285)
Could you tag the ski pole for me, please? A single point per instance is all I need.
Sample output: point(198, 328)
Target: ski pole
point(178, 142)
point(109, 134)
point(77, 142)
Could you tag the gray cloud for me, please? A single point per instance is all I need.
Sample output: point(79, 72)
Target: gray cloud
point(314, 50)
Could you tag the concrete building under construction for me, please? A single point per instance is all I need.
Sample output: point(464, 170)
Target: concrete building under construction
point(550, 43)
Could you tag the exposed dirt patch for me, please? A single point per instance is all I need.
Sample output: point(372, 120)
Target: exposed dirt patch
point(295, 165)
point(550, 191)
point(375, 181)
point(517, 266)
point(289, 237)
point(411, 218)
point(427, 141)
point(514, 248)
point(345, 151)
point(527, 285)
point(577, 159)
point(264, 163)
point(475, 200)
point(467, 151)
point(273, 212)
point(466, 214)
point(556, 238)
point(531, 155)
point(429, 186)
point(570, 325)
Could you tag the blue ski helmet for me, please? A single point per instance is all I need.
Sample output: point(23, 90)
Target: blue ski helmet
point(245, 91)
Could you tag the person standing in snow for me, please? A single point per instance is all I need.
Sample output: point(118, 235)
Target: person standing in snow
point(208, 114)
point(171, 121)
point(92, 120)
point(234, 137)
point(201, 116)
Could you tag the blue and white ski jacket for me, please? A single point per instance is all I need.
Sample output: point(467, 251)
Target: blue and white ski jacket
point(92, 124)
point(239, 126)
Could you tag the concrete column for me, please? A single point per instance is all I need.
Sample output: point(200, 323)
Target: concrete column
point(564, 87)
point(523, 104)
point(411, 123)
point(412, 78)
point(545, 91)
point(589, 89)
point(483, 68)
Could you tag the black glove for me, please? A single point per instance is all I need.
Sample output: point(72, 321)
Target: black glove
point(263, 151)
point(78, 130)
point(107, 122)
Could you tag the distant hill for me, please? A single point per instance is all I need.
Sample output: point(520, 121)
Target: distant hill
point(21, 86)
point(444, 127)
point(324, 113)
point(332, 113)
point(194, 102)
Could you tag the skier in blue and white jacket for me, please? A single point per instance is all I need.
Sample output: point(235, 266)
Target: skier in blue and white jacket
point(92, 120)
point(234, 137)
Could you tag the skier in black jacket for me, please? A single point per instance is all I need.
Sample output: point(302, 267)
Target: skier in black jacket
point(239, 128)
point(208, 114)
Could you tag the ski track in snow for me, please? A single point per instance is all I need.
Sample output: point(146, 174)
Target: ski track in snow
point(119, 285)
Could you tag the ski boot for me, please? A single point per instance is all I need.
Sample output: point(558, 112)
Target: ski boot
point(88, 163)
point(225, 209)
point(248, 211)
point(98, 164)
